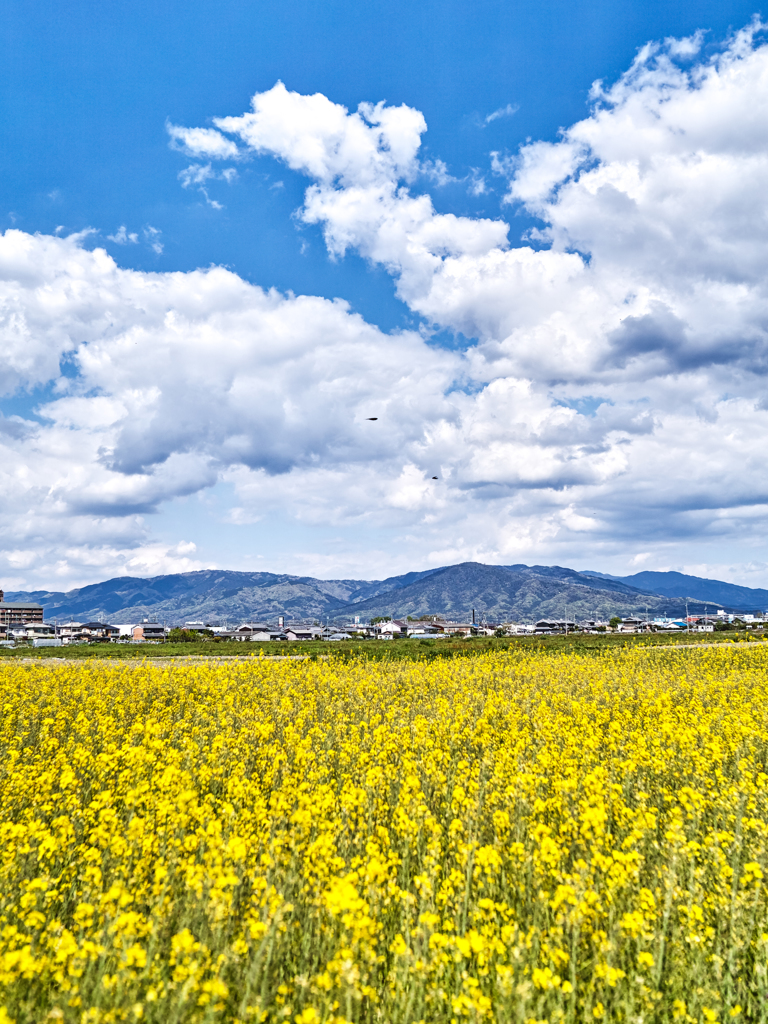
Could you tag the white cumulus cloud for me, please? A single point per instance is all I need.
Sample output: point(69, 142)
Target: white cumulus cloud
point(202, 142)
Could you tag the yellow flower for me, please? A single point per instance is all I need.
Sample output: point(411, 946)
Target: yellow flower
point(316, 841)
point(307, 1016)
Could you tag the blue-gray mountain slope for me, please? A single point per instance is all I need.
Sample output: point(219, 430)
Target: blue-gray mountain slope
point(677, 584)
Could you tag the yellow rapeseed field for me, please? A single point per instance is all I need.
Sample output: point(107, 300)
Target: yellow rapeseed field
point(509, 838)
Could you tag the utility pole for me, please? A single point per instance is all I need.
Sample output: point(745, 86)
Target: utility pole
point(687, 623)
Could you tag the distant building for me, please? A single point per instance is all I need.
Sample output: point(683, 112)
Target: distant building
point(299, 634)
point(631, 624)
point(15, 613)
point(99, 631)
point(247, 630)
point(382, 630)
point(422, 627)
point(31, 631)
point(69, 630)
point(124, 628)
point(148, 631)
point(399, 627)
point(547, 625)
point(554, 626)
point(457, 628)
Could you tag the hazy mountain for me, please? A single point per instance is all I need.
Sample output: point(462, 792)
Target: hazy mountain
point(517, 592)
point(677, 584)
point(207, 595)
point(210, 595)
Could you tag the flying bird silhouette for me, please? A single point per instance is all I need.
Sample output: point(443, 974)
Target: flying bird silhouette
point(434, 478)
point(372, 418)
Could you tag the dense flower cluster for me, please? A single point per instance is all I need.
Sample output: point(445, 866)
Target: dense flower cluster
point(511, 838)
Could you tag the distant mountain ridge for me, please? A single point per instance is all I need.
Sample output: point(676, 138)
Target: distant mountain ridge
point(677, 584)
point(209, 594)
point(497, 592)
point(501, 592)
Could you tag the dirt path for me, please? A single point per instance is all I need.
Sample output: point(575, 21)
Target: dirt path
point(180, 659)
point(728, 645)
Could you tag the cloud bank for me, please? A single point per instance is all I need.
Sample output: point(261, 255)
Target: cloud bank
point(612, 405)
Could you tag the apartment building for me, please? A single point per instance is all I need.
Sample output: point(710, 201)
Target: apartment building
point(15, 613)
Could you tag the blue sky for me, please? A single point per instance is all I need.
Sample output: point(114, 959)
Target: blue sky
point(89, 86)
point(89, 92)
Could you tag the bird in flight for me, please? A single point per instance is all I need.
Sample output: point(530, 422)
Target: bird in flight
point(434, 478)
point(371, 418)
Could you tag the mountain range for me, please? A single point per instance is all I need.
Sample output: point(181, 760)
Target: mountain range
point(495, 592)
point(672, 584)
